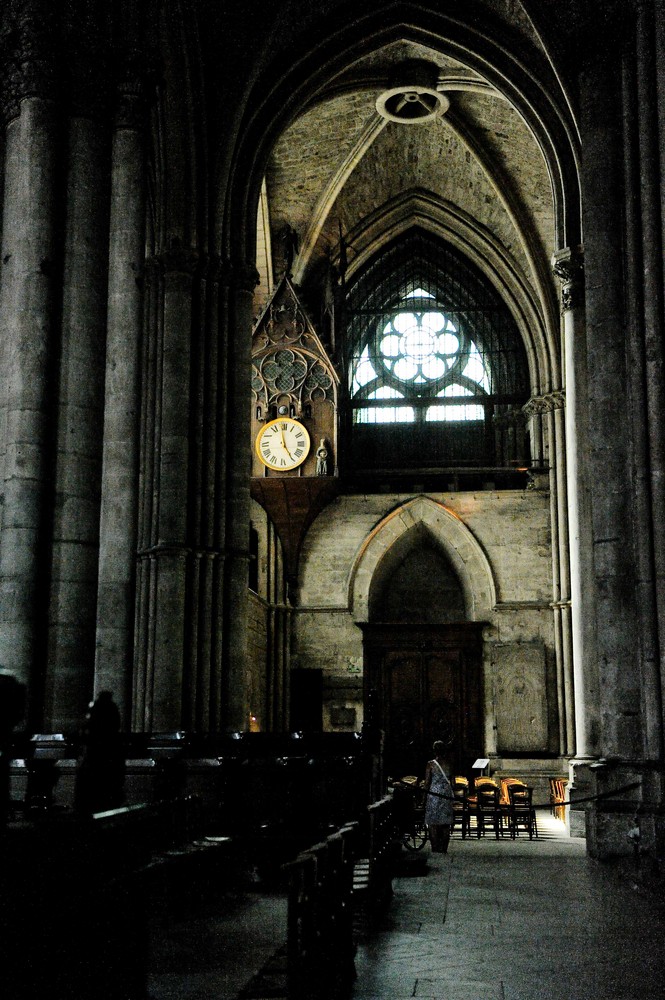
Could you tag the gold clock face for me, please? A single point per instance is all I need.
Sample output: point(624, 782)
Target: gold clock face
point(283, 444)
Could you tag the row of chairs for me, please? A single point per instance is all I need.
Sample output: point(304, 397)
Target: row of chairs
point(558, 797)
point(504, 808)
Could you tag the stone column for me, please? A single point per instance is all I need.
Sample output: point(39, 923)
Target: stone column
point(181, 612)
point(568, 265)
point(237, 457)
point(643, 95)
point(73, 593)
point(119, 496)
point(212, 360)
point(556, 402)
point(148, 499)
point(609, 591)
point(545, 414)
point(173, 561)
point(29, 272)
point(644, 163)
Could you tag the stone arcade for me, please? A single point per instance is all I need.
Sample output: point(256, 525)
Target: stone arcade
point(431, 235)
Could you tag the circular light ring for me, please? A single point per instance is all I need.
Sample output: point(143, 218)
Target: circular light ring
point(411, 105)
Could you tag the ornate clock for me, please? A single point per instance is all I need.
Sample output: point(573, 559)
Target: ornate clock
point(283, 444)
point(294, 407)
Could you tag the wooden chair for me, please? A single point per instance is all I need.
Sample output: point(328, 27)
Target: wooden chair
point(505, 799)
point(484, 781)
point(505, 782)
point(558, 797)
point(489, 809)
point(521, 811)
point(461, 805)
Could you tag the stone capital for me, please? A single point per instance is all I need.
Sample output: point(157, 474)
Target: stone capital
point(513, 417)
point(212, 268)
point(239, 275)
point(86, 62)
point(27, 57)
point(568, 266)
point(129, 110)
point(162, 550)
point(179, 260)
point(555, 400)
point(135, 87)
point(88, 93)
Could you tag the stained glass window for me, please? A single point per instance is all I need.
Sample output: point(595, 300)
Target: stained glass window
point(431, 345)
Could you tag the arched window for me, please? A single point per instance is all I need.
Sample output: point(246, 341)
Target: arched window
point(435, 358)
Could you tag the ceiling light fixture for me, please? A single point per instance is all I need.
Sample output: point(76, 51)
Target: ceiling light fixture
point(412, 98)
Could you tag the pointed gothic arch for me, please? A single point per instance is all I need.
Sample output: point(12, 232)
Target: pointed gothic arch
point(538, 329)
point(456, 541)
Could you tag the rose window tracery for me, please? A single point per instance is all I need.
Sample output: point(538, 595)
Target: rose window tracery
point(289, 372)
point(420, 351)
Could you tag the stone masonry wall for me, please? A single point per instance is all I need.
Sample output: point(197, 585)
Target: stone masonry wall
point(513, 530)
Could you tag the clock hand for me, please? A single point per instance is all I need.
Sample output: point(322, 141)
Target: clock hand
point(284, 446)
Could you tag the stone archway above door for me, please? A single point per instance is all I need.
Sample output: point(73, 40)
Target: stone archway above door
point(465, 554)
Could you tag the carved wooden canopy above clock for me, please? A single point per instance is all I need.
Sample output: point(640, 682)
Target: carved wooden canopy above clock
point(294, 393)
point(294, 422)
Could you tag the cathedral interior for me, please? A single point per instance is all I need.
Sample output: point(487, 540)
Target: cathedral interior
point(332, 418)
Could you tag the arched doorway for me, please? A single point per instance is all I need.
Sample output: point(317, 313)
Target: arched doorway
point(422, 658)
point(424, 591)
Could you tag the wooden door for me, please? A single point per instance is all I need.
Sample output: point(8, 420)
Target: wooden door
point(424, 683)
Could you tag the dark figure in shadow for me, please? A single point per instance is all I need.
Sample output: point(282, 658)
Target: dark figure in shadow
point(289, 238)
point(100, 776)
point(12, 709)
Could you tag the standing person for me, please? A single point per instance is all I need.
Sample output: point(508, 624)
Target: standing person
point(12, 710)
point(439, 815)
point(100, 776)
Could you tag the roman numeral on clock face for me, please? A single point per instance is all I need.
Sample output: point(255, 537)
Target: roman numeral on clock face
point(283, 445)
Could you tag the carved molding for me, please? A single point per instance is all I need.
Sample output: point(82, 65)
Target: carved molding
point(288, 358)
point(568, 266)
point(515, 417)
point(238, 275)
point(544, 404)
point(244, 277)
point(290, 372)
point(212, 268)
point(179, 260)
point(86, 64)
point(184, 552)
point(136, 79)
point(184, 260)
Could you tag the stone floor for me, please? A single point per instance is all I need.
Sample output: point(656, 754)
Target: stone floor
point(213, 951)
point(516, 920)
point(507, 920)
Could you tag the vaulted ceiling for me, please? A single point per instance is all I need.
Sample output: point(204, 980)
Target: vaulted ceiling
point(340, 166)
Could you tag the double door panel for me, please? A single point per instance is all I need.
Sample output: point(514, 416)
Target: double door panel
point(427, 684)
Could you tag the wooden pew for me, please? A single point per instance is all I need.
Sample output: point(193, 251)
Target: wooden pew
point(320, 943)
point(327, 884)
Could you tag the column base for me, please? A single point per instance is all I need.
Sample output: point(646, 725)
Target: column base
point(580, 786)
point(628, 820)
